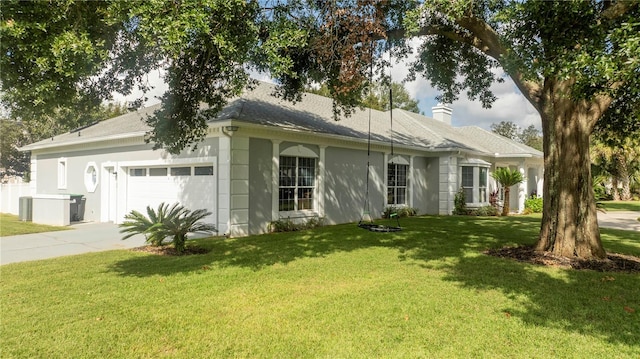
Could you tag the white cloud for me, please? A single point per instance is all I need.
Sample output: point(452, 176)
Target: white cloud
point(509, 106)
point(158, 88)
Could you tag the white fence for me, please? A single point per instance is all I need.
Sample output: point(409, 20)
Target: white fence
point(10, 194)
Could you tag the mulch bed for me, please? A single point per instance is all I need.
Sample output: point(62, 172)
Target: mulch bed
point(168, 250)
point(614, 263)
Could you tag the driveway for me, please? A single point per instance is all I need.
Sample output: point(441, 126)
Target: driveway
point(80, 238)
point(627, 220)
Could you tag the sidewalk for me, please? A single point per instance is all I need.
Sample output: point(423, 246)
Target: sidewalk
point(80, 238)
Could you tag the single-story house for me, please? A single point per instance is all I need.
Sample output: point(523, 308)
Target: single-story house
point(266, 159)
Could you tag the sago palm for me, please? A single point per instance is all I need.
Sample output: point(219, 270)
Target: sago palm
point(174, 221)
point(507, 178)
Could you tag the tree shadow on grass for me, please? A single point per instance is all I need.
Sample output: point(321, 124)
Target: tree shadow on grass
point(430, 237)
point(586, 302)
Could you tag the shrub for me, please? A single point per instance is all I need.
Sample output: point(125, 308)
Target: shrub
point(175, 221)
point(460, 203)
point(485, 211)
point(533, 205)
point(287, 225)
point(400, 211)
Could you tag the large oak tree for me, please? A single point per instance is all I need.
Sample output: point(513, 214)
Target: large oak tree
point(573, 60)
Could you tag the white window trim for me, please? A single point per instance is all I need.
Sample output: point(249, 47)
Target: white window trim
point(62, 173)
point(299, 212)
point(406, 186)
point(476, 164)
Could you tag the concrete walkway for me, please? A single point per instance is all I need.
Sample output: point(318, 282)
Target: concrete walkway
point(80, 238)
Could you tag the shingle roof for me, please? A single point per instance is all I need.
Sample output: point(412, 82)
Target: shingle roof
point(314, 113)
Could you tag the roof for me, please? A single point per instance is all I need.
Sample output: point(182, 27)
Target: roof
point(314, 113)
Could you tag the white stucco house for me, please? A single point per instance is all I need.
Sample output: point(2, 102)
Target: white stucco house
point(265, 159)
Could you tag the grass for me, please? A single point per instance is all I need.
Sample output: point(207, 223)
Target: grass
point(332, 292)
point(622, 205)
point(10, 225)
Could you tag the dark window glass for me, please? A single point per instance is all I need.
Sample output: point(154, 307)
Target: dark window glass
point(181, 171)
point(138, 172)
point(203, 171)
point(158, 171)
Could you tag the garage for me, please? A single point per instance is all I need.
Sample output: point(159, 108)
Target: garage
point(192, 185)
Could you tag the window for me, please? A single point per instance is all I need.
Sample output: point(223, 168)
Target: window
point(473, 180)
point(91, 177)
point(62, 173)
point(467, 183)
point(203, 171)
point(181, 171)
point(397, 183)
point(137, 172)
point(158, 171)
point(297, 177)
point(482, 185)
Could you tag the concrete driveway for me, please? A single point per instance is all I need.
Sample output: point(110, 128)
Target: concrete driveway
point(627, 220)
point(80, 238)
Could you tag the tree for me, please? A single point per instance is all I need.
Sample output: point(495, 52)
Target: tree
point(575, 61)
point(507, 129)
point(621, 163)
point(12, 161)
point(530, 136)
point(17, 133)
point(507, 178)
point(570, 59)
point(378, 97)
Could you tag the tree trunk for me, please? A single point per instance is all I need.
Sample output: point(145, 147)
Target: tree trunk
point(615, 193)
point(569, 222)
point(506, 204)
point(624, 176)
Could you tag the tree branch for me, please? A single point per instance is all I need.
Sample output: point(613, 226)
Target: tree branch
point(614, 10)
point(483, 37)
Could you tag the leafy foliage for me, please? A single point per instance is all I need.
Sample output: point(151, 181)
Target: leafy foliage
point(484, 211)
point(529, 136)
point(401, 212)
point(12, 161)
point(17, 133)
point(507, 177)
point(460, 203)
point(168, 221)
point(533, 205)
point(288, 225)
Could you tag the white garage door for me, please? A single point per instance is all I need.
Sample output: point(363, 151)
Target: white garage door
point(193, 186)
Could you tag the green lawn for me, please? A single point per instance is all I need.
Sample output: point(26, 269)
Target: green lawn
point(334, 292)
point(622, 205)
point(10, 225)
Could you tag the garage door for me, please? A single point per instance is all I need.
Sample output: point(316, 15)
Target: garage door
point(193, 186)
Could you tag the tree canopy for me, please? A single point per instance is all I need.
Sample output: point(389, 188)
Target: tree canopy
point(576, 61)
point(530, 136)
point(377, 97)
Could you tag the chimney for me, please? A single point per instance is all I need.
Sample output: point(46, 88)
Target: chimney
point(442, 113)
